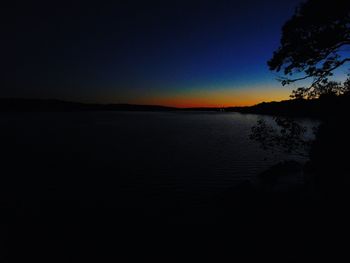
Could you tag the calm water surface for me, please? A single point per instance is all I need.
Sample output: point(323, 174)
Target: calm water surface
point(168, 152)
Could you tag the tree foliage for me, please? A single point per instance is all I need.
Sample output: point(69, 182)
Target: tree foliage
point(313, 45)
point(322, 89)
point(315, 42)
point(287, 136)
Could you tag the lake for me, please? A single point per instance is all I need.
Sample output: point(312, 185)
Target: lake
point(130, 159)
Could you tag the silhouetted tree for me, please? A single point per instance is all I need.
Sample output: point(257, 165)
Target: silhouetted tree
point(346, 87)
point(314, 43)
point(321, 90)
point(288, 136)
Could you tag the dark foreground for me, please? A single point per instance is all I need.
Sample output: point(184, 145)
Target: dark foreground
point(73, 207)
point(81, 206)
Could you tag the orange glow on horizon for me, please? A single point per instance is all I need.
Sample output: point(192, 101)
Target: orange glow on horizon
point(215, 98)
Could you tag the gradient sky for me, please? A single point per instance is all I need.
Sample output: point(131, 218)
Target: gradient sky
point(176, 53)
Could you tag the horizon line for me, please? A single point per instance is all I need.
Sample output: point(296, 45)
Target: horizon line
point(136, 104)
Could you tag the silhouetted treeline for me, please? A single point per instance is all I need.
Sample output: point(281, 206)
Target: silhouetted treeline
point(315, 108)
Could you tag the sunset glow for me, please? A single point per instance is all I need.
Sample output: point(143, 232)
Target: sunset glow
point(215, 98)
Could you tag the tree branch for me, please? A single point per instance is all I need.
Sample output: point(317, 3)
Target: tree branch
point(325, 73)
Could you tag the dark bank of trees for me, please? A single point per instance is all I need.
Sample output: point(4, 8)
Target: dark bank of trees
point(310, 108)
point(315, 43)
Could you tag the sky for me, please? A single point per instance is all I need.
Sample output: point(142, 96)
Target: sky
point(174, 53)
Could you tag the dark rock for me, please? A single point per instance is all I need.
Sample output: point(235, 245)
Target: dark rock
point(282, 177)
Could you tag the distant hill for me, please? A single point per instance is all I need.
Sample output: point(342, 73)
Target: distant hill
point(25, 105)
